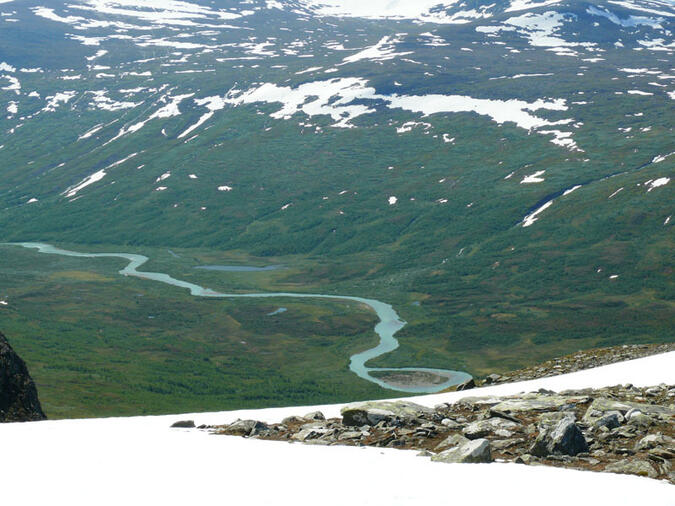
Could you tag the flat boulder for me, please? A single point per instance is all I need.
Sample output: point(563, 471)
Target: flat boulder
point(477, 451)
point(451, 442)
point(482, 428)
point(538, 402)
point(639, 467)
point(600, 406)
point(390, 412)
point(245, 427)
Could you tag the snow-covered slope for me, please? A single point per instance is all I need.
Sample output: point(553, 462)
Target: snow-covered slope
point(141, 460)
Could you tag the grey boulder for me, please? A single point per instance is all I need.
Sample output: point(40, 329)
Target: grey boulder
point(564, 438)
point(372, 413)
point(471, 452)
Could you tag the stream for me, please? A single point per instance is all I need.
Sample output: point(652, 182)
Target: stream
point(389, 321)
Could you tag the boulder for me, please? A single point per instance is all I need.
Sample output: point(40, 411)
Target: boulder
point(18, 395)
point(183, 424)
point(450, 424)
point(471, 452)
point(611, 420)
point(245, 427)
point(564, 438)
point(466, 385)
point(314, 415)
point(639, 467)
point(654, 440)
point(482, 428)
point(538, 402)
point(372, 413)
point(602, 405)
point(451, 442)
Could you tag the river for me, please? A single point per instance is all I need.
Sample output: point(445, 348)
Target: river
point(389, 321)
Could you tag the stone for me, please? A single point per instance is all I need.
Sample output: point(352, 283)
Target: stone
point(538, 402)
point(466, 385)
point(372, 413)
point(611, 420)
point(183, 424)
point(314, 415)
point(472, 452)
point(290, 420)
point(451, 442)
point(309, 433)
point(628, 409)
point(653, 440)
point(565, 438)
point(641, 420)
point(492, 378)
point(18, 395)
point(483, 428)
point(450, 424)
point(245, 427)
point(638, 467)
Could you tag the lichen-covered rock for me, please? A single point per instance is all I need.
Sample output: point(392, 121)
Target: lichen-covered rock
point(482, 428)
point(451, 442)
point(372, 413)
point(315, 415)
point(472, 452)
point(18, 396)
point(654, 440)
point(565, 438)
point(539, 402)
point(611, 420)
point(245, 427)
point(639, 467)
point(628, 409)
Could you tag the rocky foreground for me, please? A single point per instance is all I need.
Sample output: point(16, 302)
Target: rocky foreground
point(621, 429)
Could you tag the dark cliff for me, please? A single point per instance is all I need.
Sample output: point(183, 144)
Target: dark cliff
point(18, 396)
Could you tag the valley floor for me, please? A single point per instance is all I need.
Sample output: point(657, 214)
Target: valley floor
point(141, 460)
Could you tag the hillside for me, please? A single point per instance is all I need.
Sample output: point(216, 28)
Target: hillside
point(499, 172)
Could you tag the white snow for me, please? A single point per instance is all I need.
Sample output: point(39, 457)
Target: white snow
point(385, 49)
point(417, 10)
point(662, 181)
point(630, 21)
point(91, 132)
point(56, 100)
point(534, 178)
point(615, 193)
point(534, 216)
point(93, 178)
point(393, 200)
point(333, 98)
point(638, 92)
point(660, 158)
point(140, 460)
point(225, 188)
point(574, 188)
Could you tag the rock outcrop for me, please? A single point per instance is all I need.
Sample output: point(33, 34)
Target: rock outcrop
point(18, 395)
point(621, 429)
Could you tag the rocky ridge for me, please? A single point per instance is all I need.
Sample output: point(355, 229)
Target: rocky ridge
point(18, 395)
point(586, 359)
point(620, 429)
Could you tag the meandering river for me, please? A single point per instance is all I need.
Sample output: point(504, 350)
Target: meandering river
point(389, 321)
